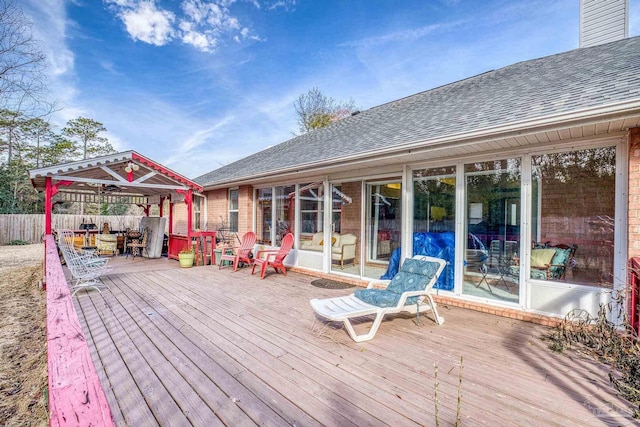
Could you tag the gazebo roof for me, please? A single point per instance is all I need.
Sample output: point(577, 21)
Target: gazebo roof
point(122, 177)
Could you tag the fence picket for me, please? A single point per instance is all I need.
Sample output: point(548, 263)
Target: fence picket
point(30, 227)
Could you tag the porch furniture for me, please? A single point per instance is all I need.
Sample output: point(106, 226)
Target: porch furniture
point(343, 246)
point(500, 250)
point(384, 243)
point(317, 242)
point(107, 243)
point(274, 258)
point(410, 291)
point(86, 268)
point(137, 246)
point(345, 250)
point(238, 254)
point(548, 262)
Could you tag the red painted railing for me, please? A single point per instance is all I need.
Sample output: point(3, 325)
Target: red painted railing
point(76, 397)
point(634, 295)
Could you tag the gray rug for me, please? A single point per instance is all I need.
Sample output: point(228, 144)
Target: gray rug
point(331, 284)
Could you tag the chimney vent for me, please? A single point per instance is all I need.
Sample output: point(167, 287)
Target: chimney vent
point(603, 21)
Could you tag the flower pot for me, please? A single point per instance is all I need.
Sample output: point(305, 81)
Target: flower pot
point(186, 259)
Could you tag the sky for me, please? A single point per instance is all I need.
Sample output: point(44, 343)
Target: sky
point(198, 84)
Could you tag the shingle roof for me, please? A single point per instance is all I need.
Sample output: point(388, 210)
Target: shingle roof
point(561, 83)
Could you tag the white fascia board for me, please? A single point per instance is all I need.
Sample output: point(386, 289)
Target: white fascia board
point(80, 164)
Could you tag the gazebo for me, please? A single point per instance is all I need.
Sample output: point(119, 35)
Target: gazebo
point(127, 178)
point(75, 393)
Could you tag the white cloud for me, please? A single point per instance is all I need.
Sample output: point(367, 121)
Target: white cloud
point(284, 4)
point(245, 34)
point(50, 30)
point(404, 35)
point(201, 41)
point(147, 23)
point(201, 24)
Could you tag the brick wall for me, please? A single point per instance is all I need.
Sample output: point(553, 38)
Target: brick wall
point(217, 207)
point(634, 193)
point(350, 218)
point(245, 209)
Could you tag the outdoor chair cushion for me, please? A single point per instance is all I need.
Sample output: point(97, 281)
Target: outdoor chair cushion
point(541, 258)
point(413, 276)
point(344, 308)
point(333, 241)
point(559, 262)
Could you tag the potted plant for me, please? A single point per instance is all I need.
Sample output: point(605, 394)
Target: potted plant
point(186, 257)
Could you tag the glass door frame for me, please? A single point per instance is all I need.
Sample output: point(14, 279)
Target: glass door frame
point(368, 227)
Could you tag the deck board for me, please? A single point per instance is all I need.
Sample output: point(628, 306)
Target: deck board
point(129, 400)
point(211, 373)
point(203, 346)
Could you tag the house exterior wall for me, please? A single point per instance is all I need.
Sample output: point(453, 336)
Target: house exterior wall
point(350, 219)
point(217, 207)
point(565, 207)
point(351, 212)
point(634, 193)
point(245, 209)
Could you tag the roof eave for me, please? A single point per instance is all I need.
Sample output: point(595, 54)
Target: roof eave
point(611, 111)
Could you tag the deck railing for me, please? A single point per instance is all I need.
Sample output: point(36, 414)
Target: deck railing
point(76, 397)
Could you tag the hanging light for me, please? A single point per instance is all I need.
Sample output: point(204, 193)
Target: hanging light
point(129, 170)
point(131, 167)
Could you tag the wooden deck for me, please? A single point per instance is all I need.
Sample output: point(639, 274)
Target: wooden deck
point(206, 347)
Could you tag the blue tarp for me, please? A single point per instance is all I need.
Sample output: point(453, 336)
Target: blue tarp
point(438, 245)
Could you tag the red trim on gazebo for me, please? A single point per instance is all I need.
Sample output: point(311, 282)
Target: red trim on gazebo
point(165, 171)
point(50, 191)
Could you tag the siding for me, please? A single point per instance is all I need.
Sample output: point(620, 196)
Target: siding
point(603, 21)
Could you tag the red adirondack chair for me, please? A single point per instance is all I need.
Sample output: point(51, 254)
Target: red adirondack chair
point(241, 253)
point(274, 257)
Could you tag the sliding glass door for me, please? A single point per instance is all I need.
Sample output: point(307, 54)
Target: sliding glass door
point(384, 225)
point(434, 218)
point(493, 229)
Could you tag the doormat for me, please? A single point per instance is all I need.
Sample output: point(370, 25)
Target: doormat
point(331, 284)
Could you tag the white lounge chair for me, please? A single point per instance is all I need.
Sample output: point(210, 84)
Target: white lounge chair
point(410, 290)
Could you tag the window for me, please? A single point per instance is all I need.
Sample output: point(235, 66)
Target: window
point(573, 206)
point(493, 191)
point(263, 215)
point(285, 198)
point(198, 203)
point(385, 218)
point(338, 199)
point(233, 210)
point(311, 208)
point(434, 215)
point(434, 200)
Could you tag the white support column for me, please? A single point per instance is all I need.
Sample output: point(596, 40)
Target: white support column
point(327, 229)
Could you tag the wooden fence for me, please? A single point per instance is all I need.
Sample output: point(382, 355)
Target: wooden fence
point(30, 228)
